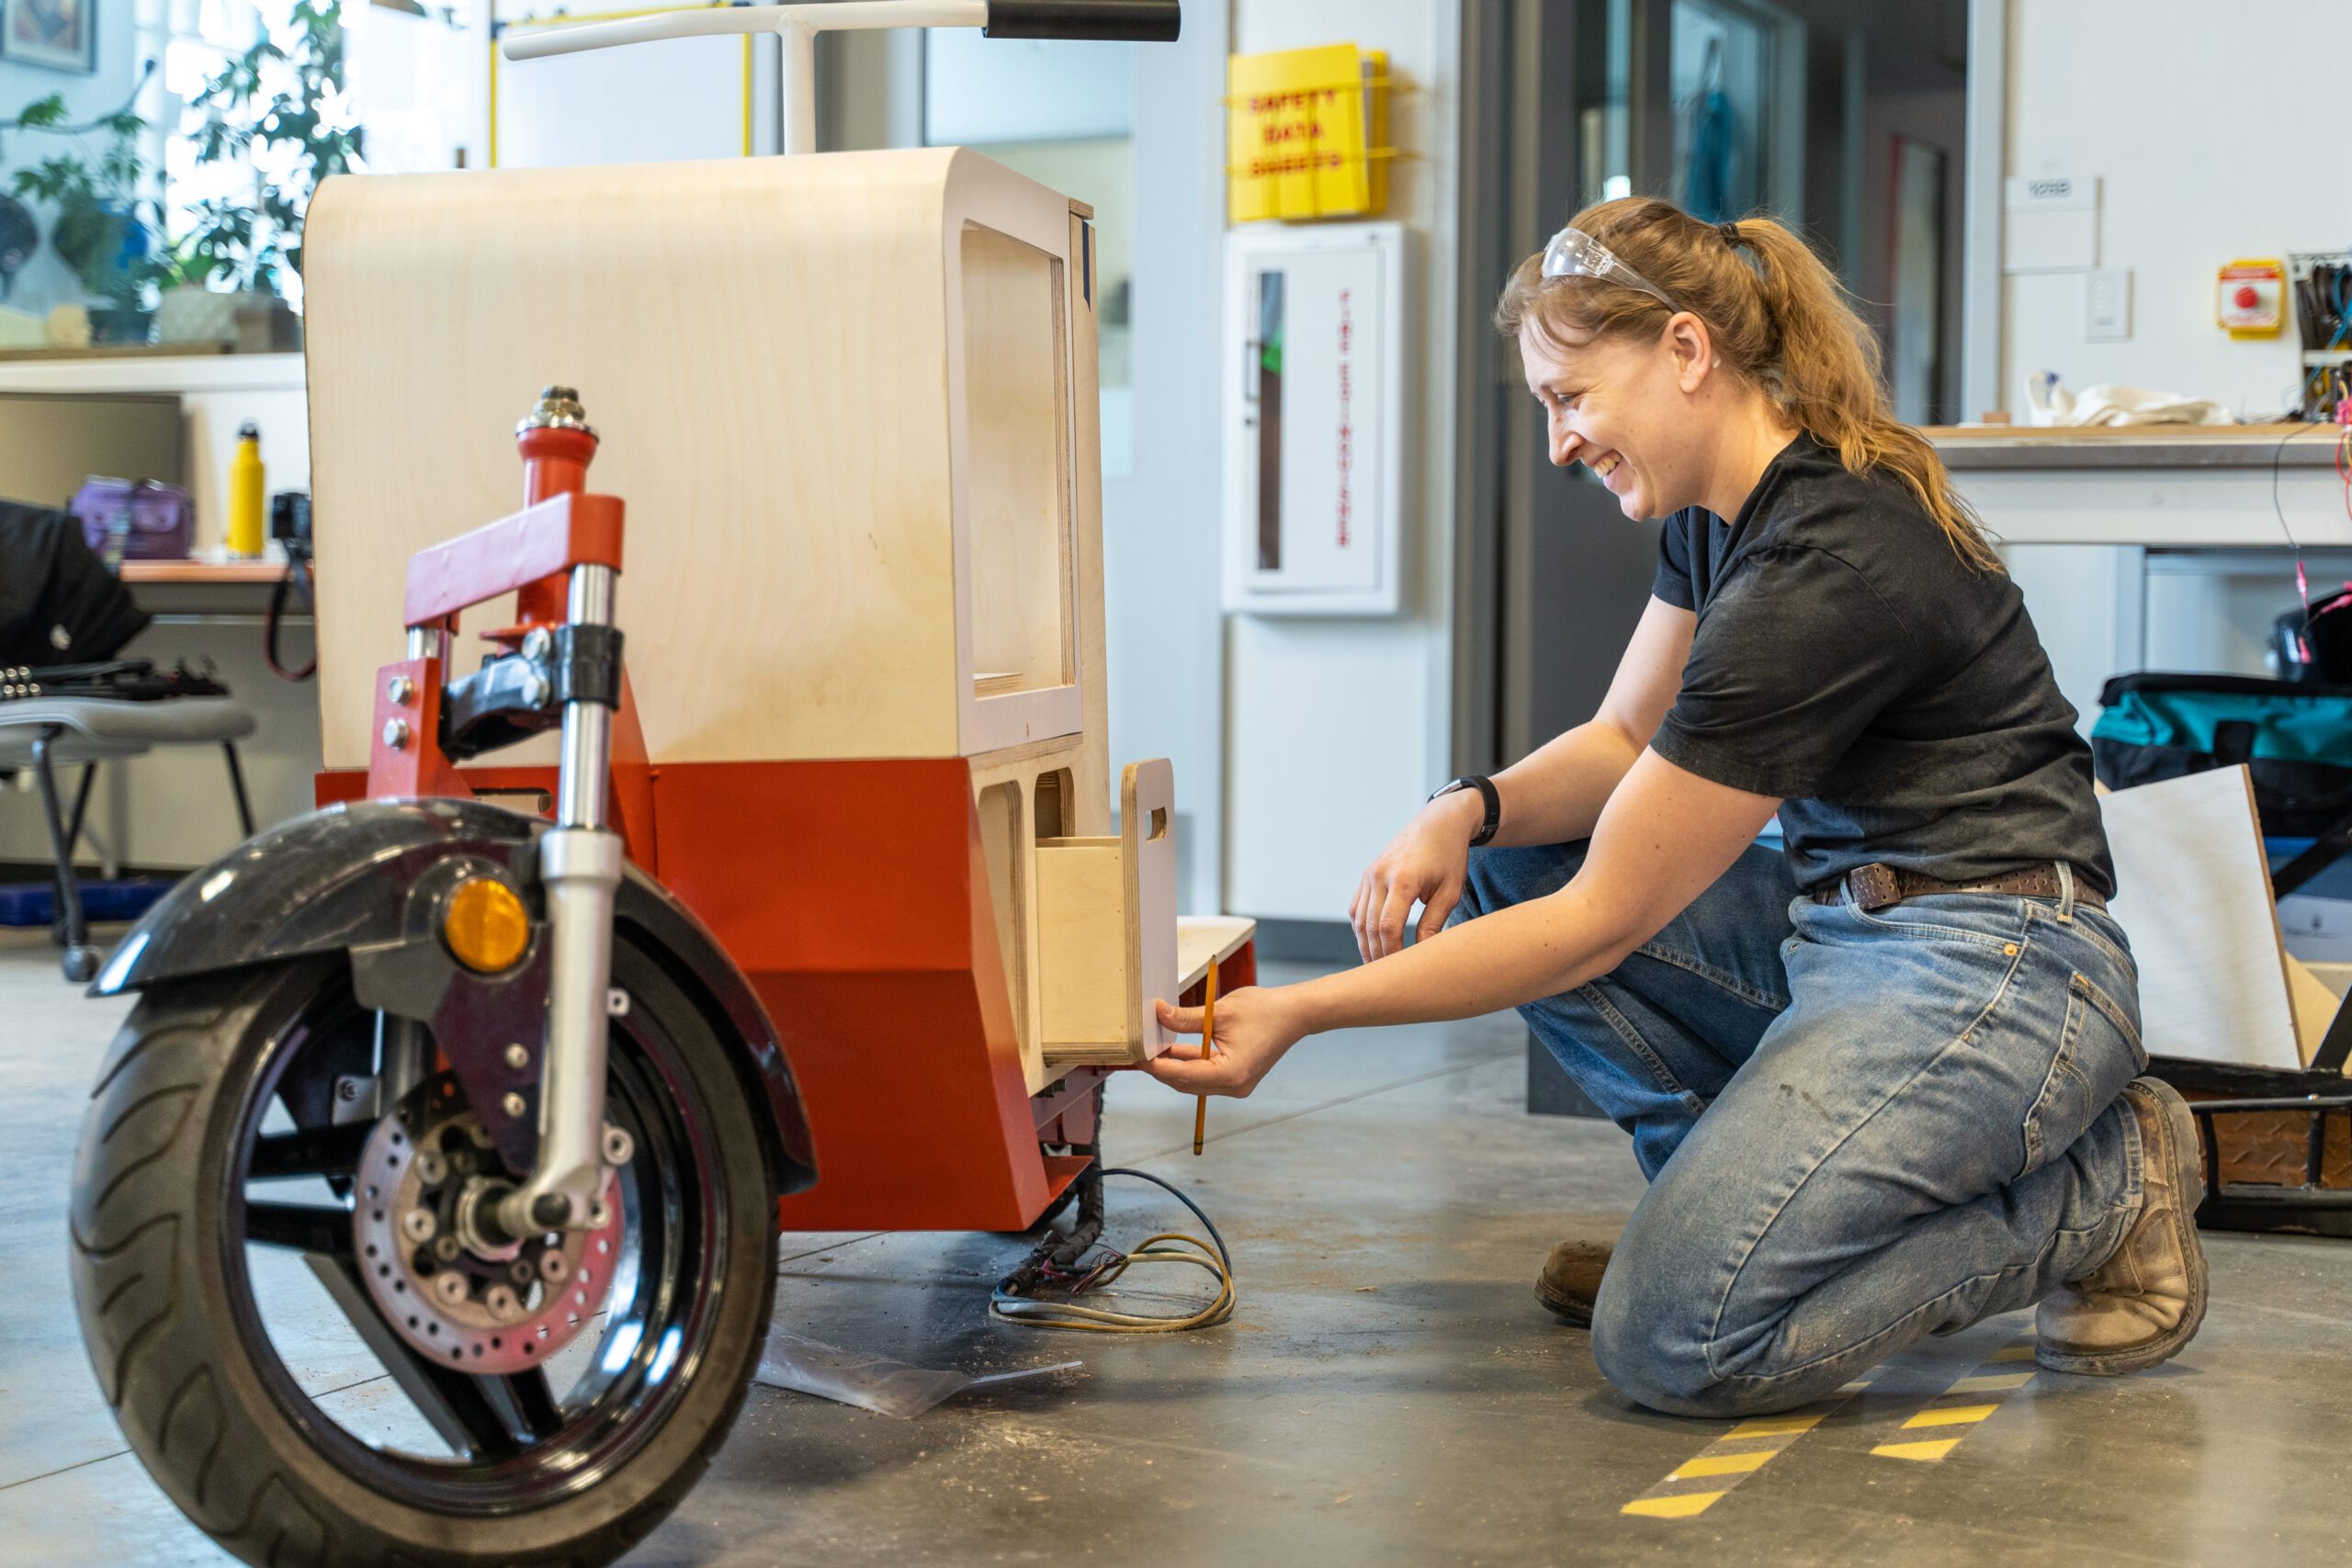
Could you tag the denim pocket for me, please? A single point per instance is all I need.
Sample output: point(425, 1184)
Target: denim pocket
point(2071, 1094)
point(2123, 1021)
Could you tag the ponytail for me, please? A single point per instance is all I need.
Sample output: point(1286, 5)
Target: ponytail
point(1778, 319)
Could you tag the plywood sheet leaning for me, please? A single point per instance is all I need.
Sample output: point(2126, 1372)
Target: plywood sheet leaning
point(2194, 899)
point(2316, 1005)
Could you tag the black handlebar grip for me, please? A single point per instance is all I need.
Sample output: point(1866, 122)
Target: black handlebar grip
point(1139, 21)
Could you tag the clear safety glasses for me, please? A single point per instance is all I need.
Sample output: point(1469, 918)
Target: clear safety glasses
point(1575, 253)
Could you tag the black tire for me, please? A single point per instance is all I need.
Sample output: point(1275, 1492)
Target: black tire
point(220, 1423)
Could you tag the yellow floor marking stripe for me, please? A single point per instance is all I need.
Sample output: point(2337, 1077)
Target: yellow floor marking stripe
point(1981, 1379)
point(1935, 1449)
point(1951, 1415)
point(1776, 1427)
point(1998, 1382)
point(1723, 1464)
point(1735, 1456)
point(1681, 1507)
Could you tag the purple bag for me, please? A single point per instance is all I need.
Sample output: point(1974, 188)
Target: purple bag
point(143, 520)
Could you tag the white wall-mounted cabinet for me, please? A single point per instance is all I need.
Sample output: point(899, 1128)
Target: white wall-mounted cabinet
point(1313, 331)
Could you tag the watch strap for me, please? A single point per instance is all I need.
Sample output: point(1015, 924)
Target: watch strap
point(1487, 794)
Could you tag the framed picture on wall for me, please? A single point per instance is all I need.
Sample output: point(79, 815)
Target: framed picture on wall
point(60, 34)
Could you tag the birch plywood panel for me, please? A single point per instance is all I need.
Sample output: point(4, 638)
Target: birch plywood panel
point(765, 346)
point(2196, 902)
point(1018, 452)
point(1080, 932)
point(1107, 944)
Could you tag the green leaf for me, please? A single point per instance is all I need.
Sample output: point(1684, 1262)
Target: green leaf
point(41, 112)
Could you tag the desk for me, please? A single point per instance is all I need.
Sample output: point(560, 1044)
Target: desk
point(261, 571)
point(210, 593)
point(2154, 547)
point(2165, 487)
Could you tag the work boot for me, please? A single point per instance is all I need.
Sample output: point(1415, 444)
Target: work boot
point(2145, 1302)
point(1571, 1279)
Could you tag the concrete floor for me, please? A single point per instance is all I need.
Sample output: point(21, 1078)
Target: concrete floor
point(1388, 1392)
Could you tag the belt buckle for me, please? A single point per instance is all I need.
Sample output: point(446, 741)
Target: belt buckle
point(1872, 886)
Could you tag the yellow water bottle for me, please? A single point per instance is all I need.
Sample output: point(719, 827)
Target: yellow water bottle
point(245, 493)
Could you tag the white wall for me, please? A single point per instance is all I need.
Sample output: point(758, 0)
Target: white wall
point(2195, 116)
point(1159, 515)
point(2179, 106)
point(1337, 729)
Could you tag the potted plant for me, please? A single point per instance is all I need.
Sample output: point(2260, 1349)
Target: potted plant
point(187, 308)
point(278, 113)
point(105, 229)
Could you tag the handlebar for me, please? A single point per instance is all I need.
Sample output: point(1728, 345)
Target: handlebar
point(1140, 21)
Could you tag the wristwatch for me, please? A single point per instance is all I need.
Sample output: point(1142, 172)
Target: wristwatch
point(1485, 788)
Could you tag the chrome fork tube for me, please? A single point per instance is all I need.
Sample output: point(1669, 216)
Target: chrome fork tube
point(587, 727)
point(579, 869)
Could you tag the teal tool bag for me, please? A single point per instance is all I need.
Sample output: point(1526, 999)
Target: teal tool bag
point(2294, 736)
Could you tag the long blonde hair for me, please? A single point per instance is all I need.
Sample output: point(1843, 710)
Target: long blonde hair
point(1782, 323)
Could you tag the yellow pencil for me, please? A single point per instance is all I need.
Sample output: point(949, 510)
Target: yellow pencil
point(1209, 1047)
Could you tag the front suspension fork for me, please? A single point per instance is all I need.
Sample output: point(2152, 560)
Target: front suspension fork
point(579, 869)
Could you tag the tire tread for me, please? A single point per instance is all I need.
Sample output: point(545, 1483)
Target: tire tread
point(154, 1333)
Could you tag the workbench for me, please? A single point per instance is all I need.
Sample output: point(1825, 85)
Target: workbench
point(2155, 547)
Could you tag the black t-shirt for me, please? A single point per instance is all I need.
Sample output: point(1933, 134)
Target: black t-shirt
point(1849, 661)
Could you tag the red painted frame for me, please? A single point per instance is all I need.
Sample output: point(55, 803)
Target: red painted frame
point(854, 894)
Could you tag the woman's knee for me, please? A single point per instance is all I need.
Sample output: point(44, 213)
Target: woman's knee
point(1656, 1326)
point(1650, 1344)
point(1656, 1361)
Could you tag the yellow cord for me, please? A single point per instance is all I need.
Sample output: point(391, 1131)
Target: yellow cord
point(1039, 1314)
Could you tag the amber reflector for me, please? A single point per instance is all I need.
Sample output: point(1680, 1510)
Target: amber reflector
point(486, 925)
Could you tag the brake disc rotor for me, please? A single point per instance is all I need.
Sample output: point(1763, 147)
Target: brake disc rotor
point(502, 1310)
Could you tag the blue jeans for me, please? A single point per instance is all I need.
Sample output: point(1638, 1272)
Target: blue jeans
point(1860, 1128)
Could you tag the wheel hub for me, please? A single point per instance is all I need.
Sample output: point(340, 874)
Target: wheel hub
point(425, 1178)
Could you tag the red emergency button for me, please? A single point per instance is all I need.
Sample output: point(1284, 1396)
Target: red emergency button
point(2246, 299)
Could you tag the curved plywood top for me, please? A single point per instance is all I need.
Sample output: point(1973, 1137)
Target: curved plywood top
point(773, 351)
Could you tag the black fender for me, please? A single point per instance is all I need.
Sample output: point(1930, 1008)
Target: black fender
point(365, 879)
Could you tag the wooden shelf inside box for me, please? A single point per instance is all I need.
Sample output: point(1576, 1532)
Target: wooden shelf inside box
point(1106, 930)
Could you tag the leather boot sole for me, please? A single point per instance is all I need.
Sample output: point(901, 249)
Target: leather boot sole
point(1574, 1311)
point(2176, 1138)
point(1570, 1279)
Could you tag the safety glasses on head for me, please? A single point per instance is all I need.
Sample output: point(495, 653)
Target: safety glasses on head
point(1575, 253)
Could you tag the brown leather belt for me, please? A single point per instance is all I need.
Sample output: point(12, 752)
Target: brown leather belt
point(1877, 885)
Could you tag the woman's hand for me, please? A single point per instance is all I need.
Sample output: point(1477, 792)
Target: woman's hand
point(1254, 1026)
point(1424, 864)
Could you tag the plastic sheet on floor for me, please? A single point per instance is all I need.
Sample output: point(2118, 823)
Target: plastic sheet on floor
point(870, 1381)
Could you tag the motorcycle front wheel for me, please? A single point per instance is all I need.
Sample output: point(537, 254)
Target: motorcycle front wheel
point(221, 1285)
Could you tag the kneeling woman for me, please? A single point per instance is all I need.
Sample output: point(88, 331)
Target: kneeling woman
point(1884, 1083)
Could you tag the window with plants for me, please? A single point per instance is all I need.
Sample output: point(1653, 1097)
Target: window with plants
point(190, 232)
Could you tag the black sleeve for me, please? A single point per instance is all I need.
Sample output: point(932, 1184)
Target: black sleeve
point(1673, 580)
point(1796, 654)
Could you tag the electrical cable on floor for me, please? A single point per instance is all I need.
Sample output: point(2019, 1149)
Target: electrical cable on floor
point(1056, 1264)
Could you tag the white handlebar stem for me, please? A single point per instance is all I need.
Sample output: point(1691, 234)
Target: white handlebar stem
point(798, 26)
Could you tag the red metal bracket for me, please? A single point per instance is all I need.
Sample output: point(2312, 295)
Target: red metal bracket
point(404, 756)
point(543, 540)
